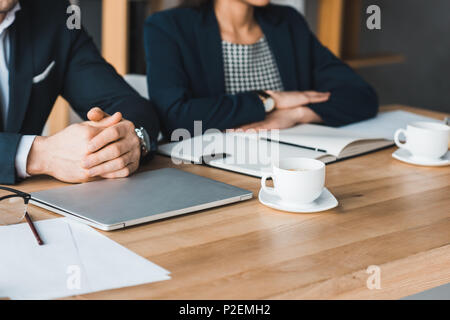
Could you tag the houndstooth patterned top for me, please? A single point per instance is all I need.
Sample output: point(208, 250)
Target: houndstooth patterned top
point(250, 67)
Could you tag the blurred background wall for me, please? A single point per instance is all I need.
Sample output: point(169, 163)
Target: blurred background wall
point(420, 30)
point(416, 29)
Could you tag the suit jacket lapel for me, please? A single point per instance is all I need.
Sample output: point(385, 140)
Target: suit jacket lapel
point(20, 70)
point(278, 36)
point(210, 44)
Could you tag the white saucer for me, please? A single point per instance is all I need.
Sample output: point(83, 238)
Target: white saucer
point(326, 201)
point(406, 156)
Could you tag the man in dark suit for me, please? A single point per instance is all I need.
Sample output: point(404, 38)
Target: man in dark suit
point(41, 58)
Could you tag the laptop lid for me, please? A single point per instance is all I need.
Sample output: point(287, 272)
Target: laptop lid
point(143, 197)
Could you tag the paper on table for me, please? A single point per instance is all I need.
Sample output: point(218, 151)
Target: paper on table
point(384, 124)
point(71, 249)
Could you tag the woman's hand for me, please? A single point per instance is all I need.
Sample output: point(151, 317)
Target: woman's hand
point(284, 118)
point(292, 99)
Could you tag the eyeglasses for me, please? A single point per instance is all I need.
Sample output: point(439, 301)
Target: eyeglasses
point(13, 209)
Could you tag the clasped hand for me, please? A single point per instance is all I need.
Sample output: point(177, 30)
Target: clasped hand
point(105, 146)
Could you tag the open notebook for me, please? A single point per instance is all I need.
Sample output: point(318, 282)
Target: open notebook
point(253, 154)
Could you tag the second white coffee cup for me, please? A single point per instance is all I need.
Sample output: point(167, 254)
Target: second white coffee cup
point(427, 140)
point(296, 180)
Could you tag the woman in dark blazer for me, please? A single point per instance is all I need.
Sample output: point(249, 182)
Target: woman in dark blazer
point(227, 62)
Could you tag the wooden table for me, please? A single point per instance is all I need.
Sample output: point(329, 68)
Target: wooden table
point(390, 214)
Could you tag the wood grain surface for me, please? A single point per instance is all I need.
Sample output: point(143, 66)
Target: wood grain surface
point(390, 214)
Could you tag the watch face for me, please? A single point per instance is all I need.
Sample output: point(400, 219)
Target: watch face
point(269, 104)
point(145, 141)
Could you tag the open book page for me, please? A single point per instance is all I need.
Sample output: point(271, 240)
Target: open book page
point(325, 139)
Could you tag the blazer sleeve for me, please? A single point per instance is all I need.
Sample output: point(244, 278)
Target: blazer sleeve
point(352, 99)
point(8, 150)
point(169, 88)
point(90, 81)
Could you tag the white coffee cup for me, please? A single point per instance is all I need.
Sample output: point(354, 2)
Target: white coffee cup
point(427, 140)
point(296, 180)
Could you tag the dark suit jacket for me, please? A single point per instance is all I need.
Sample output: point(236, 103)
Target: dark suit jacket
point(39, 36)
point(186, 77)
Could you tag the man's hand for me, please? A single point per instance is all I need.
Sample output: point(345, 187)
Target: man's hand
point(105, 146)
point(284, 118)
point(60, 155)
point(115, 151)
point(293, 99)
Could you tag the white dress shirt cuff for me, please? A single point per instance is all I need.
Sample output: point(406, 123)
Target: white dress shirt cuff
point(23, 150)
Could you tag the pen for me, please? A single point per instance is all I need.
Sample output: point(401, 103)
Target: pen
point(33, 229)
point(296, 145)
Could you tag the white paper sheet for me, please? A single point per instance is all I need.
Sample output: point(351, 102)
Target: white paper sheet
point(384, 124)
point(75, 259)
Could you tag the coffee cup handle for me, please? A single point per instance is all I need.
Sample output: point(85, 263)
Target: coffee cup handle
point(397, 140)
point(263, 184)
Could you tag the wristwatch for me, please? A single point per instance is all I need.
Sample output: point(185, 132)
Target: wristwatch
point(267, 100)
point(144, 140)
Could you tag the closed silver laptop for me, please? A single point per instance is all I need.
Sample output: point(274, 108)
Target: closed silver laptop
point(143, 197)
